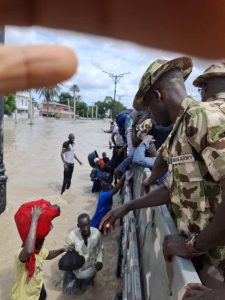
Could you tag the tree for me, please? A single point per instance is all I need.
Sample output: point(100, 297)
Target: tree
point(81, 107)
point(79, 98)
point(49, 94)
point(9, 104)
point(105, 107)
point(64, 97)
point(102, 108)
point(75, 89)
point(119, 107)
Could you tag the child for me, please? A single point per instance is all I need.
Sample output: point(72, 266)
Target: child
point(29, 262)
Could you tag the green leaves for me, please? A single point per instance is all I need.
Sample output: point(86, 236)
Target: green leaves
point(9, 104)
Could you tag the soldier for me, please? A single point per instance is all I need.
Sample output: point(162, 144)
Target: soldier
point(212, 87)
point(195, 155)
point(212, 82)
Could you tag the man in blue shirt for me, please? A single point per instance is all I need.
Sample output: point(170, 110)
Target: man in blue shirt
point(105, 201)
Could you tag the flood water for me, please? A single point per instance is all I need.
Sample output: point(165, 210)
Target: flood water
point(35, 170)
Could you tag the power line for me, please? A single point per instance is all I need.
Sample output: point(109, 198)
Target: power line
point(115, 78)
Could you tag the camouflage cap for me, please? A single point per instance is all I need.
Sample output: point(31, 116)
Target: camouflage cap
point(157, 69)
point(215, 70)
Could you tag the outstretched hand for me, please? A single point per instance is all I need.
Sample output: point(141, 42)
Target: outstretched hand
point(109, 220)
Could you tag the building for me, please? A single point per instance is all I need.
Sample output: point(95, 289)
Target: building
point(55, 109)
point(22, 104)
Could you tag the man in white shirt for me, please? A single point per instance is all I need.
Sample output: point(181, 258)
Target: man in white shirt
point(68, 157)
point(118, 149)
point(88, 243)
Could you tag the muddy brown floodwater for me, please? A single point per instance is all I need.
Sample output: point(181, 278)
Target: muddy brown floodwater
point(35, 170)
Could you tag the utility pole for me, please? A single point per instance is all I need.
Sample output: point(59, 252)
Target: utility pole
point(96, 112)
point(31, 122)
point(3, 177)
point(115, 78)
point(68, 104)
point(16, 120)
point(92, 112)
point(74, 106)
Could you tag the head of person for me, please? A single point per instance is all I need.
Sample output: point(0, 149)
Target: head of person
point(104, 155)
point(211, 82)
point(71, 138)
point(162, 89)
point(84, 224)
point(97, 162)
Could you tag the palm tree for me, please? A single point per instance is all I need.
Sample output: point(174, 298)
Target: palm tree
point(74, 89)
point(49, 94)
point(79, 98)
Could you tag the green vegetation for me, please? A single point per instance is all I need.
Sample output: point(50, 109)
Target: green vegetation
point(9, 104)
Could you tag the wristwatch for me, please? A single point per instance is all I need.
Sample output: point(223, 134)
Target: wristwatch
point(191, 245)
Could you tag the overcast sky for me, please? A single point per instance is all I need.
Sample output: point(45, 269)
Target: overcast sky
point(96, 54)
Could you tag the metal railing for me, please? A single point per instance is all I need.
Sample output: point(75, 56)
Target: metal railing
point(146, 275)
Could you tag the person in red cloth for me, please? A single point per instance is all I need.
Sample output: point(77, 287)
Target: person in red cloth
point(33, 221)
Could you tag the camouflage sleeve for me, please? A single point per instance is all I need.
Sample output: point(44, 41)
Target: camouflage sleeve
point(162, 151)
point(205, 129)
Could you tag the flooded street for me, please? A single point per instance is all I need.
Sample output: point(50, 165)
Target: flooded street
point(35, 170)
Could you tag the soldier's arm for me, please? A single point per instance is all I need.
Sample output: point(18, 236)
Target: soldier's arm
point(205, 132)
point(159, 169)
point(214, 234)
point(157, 197)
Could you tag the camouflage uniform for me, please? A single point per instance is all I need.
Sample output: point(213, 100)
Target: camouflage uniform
point(195, 152)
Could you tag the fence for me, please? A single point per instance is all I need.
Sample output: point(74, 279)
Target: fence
point(145, 273)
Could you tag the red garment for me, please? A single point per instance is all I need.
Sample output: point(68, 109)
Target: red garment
point(101, 163)
point(23, 221)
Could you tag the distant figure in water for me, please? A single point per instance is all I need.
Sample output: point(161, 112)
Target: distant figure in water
point(68, 157)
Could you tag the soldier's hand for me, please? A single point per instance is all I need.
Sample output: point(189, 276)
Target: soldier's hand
point(195, 291)
point(175, 245)
point(109, 220)
point(146, 184)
